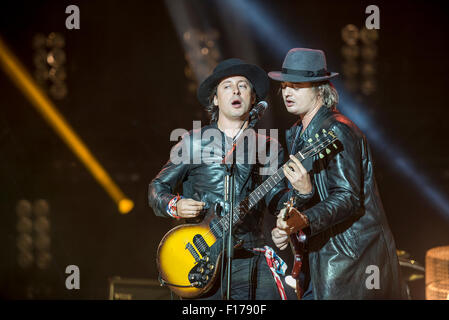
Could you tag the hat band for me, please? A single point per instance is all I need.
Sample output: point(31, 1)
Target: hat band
point(306, 73)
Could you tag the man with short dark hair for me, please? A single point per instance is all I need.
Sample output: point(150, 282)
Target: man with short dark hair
point(351, 253)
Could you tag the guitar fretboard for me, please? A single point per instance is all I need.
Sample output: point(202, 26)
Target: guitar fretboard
point(257, 194)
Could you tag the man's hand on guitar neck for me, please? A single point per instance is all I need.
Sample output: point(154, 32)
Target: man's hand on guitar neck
point(298, 176)
point(189, 208)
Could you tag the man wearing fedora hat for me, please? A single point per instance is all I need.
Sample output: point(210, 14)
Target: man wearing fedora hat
point(351, 253)
point(229, 95)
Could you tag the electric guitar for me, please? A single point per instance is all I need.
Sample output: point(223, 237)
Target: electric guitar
point(297, 243)
point(189, 255)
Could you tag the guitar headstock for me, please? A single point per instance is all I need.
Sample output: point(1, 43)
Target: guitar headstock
point(325, 141)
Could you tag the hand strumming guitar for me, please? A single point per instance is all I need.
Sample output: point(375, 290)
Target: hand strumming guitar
point(286, 224)
point(189, 208)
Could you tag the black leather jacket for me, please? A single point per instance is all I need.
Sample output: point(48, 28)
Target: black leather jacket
point(205, 181)
point(348, 235)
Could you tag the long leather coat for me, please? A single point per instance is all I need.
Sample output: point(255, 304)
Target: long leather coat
point(202, 176)
point(352, 253)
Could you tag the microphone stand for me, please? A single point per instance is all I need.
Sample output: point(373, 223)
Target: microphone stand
point(230, 199)
point(229, 246)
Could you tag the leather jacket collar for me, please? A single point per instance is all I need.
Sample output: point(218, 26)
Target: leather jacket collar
point(316, 125)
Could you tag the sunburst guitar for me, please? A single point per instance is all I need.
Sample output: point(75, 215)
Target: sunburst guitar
point(189, 255)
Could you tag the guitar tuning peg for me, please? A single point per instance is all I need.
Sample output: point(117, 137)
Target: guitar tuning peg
point(335, 146)
point(310, 140)
point(324, 131)
point(317, 136)
point(321, 155)
point(328, 151)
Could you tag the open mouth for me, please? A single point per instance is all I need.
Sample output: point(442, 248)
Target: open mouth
point(289, 102)
point(236, 103)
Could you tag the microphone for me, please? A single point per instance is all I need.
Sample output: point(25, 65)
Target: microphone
point(258, 110)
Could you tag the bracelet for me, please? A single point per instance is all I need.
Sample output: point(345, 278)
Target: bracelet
point(171, 207)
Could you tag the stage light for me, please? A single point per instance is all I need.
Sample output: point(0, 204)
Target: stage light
point(49, 59)
point(368, 36)
point(350, 52)
point(57, 74)
point(41, 208)
point(23, 208)
point(43, 260)
point(58, 90)
point(24, 242)
point(350, 34)
point(368, 70)
point(437, 273)
point(42, 241)
point(22, 79)
point(40, 59)
point(55, 40)
point(24, 239)
point(56, 57)
point(24, 225)
point(369, 52)
point(125, 206)
point(41, 224)
point(368, 86)
point(25, 259)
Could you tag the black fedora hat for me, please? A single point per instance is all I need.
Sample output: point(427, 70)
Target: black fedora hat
point(303, 65)
point(234, 67)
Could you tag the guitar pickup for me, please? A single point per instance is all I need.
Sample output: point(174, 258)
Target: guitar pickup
point(192, 251)
point(200, 244)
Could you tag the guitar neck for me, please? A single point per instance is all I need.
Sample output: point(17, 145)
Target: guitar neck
point(255, 196)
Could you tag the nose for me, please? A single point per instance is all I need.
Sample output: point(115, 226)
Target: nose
point(287, 91)
point(236, 90)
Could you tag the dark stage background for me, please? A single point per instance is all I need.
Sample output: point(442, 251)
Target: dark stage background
point(127, 90)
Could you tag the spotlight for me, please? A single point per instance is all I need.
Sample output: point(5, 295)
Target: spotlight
point(369, 36)
point(368, 69)
point(49, 59)
point(350, 52)
point(368, 86)
point(369, 52)
point(350, 34)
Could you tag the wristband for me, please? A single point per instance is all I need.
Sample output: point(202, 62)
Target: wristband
point(171, 207)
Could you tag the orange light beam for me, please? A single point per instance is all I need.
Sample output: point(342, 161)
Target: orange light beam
point(22, 79)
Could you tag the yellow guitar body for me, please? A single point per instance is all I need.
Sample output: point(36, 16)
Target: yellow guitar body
point(175, 261)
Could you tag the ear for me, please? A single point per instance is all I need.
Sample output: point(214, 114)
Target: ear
point(253, 98)
point(215, 101)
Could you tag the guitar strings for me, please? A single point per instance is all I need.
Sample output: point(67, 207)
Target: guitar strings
point(305, 152)
point(225, 226)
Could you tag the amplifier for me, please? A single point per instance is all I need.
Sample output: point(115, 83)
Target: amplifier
point(138, 289)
